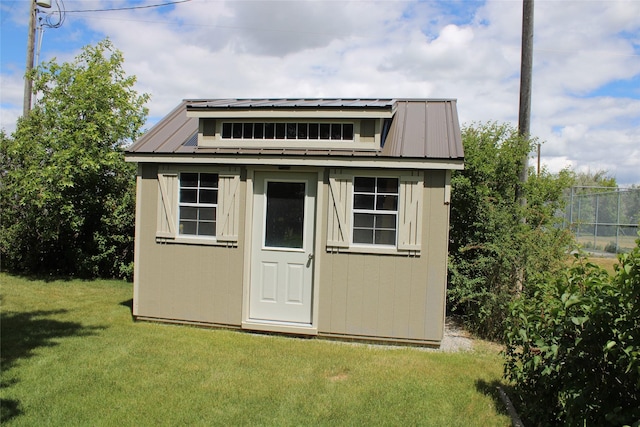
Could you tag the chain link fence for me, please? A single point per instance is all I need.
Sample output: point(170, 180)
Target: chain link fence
point(603, 219)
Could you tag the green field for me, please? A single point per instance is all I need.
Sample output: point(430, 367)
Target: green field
point(73, 356)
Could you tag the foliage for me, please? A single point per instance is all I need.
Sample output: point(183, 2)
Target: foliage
point(67, 195)
point(573, 346)
point(493, 252)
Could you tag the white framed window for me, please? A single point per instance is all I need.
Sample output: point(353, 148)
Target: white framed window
point(288, 130)
point(373, 213)
point(198, 204)
point(375, 210)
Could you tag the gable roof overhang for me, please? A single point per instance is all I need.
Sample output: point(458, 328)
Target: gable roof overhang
point(423, 134)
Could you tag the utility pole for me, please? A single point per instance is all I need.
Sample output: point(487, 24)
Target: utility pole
point(31, 41)
point(526, 66)
point(28, 81)
point(524, 113)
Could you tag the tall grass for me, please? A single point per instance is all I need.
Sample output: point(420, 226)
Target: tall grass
point(72, 355)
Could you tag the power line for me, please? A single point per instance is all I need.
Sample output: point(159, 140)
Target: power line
point(129, 8)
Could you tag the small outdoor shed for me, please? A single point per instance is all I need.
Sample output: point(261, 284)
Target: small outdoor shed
point(321, 217)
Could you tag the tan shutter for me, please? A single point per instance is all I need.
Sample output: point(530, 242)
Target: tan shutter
point(228, 213)
point(339, 216)
point(167, 204)
point(410, 213)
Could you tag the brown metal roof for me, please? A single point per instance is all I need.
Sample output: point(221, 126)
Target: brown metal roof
point(342, 103)
point(420, 129)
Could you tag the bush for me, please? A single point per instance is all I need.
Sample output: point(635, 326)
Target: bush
point(493, 252)
point(573, 346)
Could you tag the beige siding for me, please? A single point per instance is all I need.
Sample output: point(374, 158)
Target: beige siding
point(375, 296)
point(184, 282)
point(391, 296)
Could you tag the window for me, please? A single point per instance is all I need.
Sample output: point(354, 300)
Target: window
point(375, 210)
point(372, 214)
point(198, 203)
point(290, 130)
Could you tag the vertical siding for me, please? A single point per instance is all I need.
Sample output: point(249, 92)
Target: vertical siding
point(390, 296)
point(184, 282)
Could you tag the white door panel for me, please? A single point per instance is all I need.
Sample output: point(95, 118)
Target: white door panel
point(282, 247)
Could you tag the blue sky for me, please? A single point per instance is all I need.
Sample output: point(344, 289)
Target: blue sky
point(586, 77)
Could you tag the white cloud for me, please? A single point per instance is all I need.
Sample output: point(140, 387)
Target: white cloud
point(464, 50)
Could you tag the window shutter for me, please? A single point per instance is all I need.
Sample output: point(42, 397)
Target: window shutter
point(339, 217)
point(228, 213)
point(410, 221)
point(167, 204)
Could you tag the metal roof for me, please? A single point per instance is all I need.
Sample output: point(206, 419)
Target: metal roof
point(342, 103)
point(419, 129)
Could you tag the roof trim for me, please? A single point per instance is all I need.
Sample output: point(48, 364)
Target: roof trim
point(276, 159)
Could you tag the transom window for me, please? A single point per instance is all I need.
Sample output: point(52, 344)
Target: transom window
point(282, 130)
point(198, 203)
point(375, 210)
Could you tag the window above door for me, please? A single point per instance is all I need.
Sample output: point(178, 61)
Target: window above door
point(292, 133)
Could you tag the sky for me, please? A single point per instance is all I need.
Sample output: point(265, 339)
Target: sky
point(586, 60)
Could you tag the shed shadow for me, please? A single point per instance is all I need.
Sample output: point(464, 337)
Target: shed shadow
point(24, 332)
point(129, 304)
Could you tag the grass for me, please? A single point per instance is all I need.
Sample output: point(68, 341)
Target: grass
point(73, 356)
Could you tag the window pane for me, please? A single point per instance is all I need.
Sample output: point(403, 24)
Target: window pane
point(188, 180)
point(364, 185)
point(325, 130)
point(206, 229)
point(285, 214)
point(336, 131)
point(362, 220)
point(362, 236)
point(386, 221)
point(280, 130)
point(387, 203)
point(207, 214)
point(188, 213)
point(208, 196)
point(258, 130)
point(269, 130)
point(291, 131)
point(302, 130)
point(237, 130)
point(209, 180)
point(385, 237)
point(248, 130)
point(347, 131)
point(226, 130)
point(188, 195)
point(313, 130)
point(363, 201)
point(388, 185)
point(188, 227)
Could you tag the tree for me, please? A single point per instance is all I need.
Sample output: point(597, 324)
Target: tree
point(67, 195)
point(491, 248)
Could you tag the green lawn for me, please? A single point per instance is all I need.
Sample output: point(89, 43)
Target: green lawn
point(72, 356)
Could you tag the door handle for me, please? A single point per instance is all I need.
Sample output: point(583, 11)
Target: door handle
point(310, 257)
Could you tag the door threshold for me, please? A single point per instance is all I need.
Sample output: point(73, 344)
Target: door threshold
point(279, 326)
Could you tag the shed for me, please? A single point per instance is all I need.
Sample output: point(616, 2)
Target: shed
point(319, 217)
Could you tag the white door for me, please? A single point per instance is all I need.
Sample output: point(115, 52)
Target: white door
point(282, 247)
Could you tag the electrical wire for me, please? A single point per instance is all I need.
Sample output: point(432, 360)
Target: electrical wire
point(129, 8)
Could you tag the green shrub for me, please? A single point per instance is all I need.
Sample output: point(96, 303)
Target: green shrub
point(493, 252)
point(573, 346)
